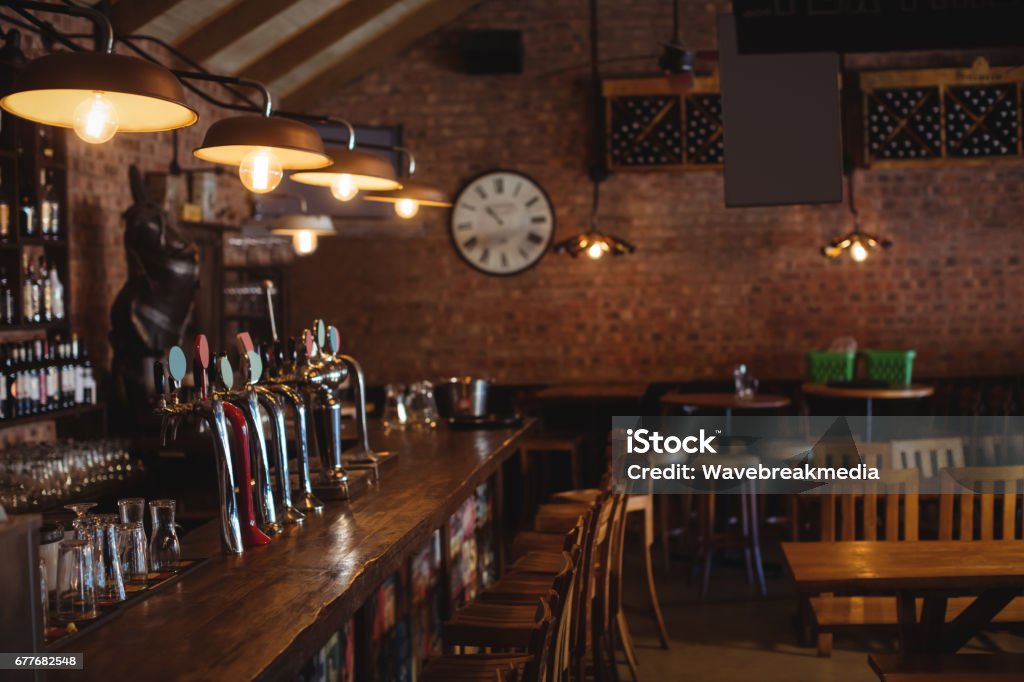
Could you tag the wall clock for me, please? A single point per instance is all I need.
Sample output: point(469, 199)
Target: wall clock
point(502, 222)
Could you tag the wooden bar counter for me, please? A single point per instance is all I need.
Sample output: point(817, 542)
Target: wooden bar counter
point(263, 614)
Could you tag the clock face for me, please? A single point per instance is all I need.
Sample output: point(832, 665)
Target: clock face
point(502, 223)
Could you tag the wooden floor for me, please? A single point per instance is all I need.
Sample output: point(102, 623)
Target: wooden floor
point(736, 637)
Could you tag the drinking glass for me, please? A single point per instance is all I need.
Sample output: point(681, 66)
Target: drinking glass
point(132, 543)
point(394, 415)
point(80, 509)
point(107, 559)
point(164, 548)
point(44, 595)
point(76, 592)
point(133, 510)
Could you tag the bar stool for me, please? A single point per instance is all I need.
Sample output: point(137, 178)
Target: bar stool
point(709, 540)
point(545, 444)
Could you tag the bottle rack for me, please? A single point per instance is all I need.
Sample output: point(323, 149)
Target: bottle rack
point(27, 151)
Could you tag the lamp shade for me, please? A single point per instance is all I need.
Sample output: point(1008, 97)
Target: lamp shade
point(366, 171)
point(291, 223)
point(425, 195)
point(296, 145)
point(146, 96)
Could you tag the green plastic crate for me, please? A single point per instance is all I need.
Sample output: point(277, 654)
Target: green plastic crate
point(825, 366)
point(893, 366)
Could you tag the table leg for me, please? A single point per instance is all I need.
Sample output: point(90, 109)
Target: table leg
point(867, 429)
point(906, 615)
point(976, 616)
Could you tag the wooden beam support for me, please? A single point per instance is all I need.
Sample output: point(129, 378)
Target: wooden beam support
point(235, 21)
point(128, 16)
point(319, 36)
point(382, 47)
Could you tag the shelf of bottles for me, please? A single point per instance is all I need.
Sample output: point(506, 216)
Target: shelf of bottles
point(44, 376)
point(33, 227)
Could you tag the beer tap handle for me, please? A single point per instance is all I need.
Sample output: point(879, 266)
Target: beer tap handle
point(268, 288)
point(263, 351)
point(293, 351)
point(252, 363)
point(333, 340)
point(279, 357)
point(178, 366)
point(158, 379)
point(225, 374)
point(200, 363)
point(308, 345)
point(320, 336)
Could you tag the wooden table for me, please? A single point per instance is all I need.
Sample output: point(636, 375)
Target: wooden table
point(724, 401)
point(264, 614)
point(932, 569)
point(869, 395)
point(593, 392)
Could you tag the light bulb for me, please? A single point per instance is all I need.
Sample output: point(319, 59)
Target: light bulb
point(304, 242)
point(260, 171)
point(858, 252)
point(596, 250)
point(343, 188)
point(95, 119)
point(407, 208)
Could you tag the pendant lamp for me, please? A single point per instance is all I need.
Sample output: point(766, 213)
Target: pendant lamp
point(305, 230)
point(351, 171)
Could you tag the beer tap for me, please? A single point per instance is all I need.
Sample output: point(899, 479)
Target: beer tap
point(321, 376)
point(361, 454)
point(247, 401)
point(274, 405)
point(304, 498)
point(211, 412)
point(252, 536)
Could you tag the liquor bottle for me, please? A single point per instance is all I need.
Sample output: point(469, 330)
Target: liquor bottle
point(78, 380)
point(6, 301)
point(46, 293)
point(29, 213)
point(89, 392)
point(49, 207)
point(5, 212)
point(26, 289)
point(57, 294)
point(35, 295)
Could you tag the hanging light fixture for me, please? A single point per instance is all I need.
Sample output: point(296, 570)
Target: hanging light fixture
point(97, 94)
point(677, 62)
point(408, 199)
point(305, 230)
point(859, 244)
point(594, 243)
point(350, 172)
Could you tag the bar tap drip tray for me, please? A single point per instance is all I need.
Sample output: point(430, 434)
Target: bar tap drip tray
point(359, 481)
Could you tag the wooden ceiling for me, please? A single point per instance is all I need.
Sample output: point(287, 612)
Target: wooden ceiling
point(302, 49)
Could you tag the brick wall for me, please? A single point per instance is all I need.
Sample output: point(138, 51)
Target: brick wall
point(708, 287)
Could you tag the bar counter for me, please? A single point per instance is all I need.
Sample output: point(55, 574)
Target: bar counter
point(263, 614)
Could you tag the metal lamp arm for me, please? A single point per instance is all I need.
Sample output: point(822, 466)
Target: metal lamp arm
point(104, 30)
point(268, 101)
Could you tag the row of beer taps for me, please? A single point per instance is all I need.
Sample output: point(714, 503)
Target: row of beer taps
point(302, 379)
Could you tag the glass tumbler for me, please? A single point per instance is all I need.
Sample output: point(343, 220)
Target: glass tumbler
point(394, 415)
point(106, 543)
point(164, 548)
point(76, 592)
point(132, 544)
point(131, 509)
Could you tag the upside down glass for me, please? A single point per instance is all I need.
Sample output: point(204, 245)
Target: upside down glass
point(164, 548)
point(132, 541)
point(107, 560)
point(76, 592)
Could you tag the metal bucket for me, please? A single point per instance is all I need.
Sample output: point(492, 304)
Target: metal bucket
point(462, 397)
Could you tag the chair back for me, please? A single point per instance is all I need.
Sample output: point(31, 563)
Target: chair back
point(540, 642)
point(886, 509)
point(973, 496)
point(836, 454)
point(930, 455)
point(1000, 451)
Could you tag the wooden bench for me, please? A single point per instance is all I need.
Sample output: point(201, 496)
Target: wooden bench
point(947, 668)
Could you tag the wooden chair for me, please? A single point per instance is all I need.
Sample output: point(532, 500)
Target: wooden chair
point(544, 445)
point(929, 455)
point(967, 490)
point(846, 516)
point(499, 667)
point(1000, 451)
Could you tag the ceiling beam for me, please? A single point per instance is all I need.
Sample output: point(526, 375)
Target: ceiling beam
point(318, 37)
point(382, 47)
point(128, 16)
point(228, 26)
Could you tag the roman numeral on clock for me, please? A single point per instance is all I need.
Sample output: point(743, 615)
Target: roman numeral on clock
point(535, 238)
point(469, 243)
point(537, 219)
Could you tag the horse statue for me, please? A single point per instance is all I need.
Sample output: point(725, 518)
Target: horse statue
point(152, 310)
